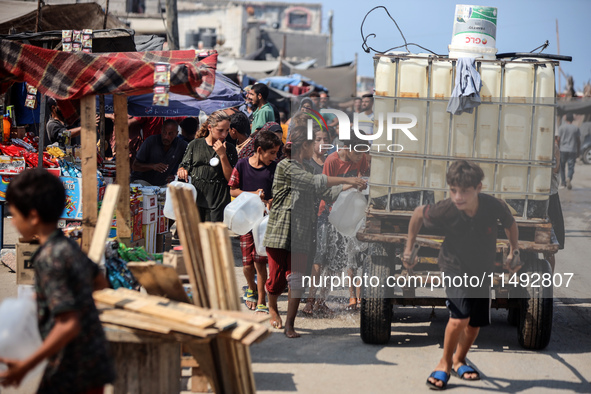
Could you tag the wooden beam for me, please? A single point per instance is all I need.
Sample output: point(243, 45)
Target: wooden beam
point(122, 164)
point(103, 225)
point(89, 184)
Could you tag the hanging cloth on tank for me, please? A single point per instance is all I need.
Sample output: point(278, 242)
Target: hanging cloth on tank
point(466, 94)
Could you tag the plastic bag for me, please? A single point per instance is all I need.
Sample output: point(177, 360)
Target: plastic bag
point(258, 234)
point(168, 210)
point(348, 212)
point(19, 333)
point(241, 214)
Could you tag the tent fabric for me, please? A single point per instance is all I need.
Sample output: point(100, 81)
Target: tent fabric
point(230, 66)
point(73, 75)
point(22, 15)
point(225, 94)
point(282, 83)
point(341, 82)
point(16, 9)
point(148, 43)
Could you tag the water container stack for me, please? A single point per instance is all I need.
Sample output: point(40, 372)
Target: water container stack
point(510, 135)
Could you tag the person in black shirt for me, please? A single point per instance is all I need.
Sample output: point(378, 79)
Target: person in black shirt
point(159, 157)
point(73, 339)
point(469, 221)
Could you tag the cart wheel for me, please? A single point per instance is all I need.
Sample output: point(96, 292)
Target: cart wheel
point(376, 308)
point(535, 309)
point(513, 316)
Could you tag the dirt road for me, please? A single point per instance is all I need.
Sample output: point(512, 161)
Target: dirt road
point(331, 358)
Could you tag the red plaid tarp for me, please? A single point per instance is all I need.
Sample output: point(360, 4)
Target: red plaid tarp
point(73, 75)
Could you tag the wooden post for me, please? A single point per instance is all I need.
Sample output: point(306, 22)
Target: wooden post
point(89, 184)
point(122, 178)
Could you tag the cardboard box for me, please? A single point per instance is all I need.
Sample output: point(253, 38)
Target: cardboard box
point(11, 165)
point(150, 216)
point(25, 272)
point(4, 181)
point(175, 259)
point(73, 188)
point(137, 243)
point(136, 232)
point(163, 242)
point(149, 201)
point(149, 234)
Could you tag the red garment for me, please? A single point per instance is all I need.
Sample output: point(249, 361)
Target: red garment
point(72, 75)
point(280, 268)
point(249, 254)
point(334, 166)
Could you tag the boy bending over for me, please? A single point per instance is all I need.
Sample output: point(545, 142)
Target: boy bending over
point(468, 220)
point(73, 339)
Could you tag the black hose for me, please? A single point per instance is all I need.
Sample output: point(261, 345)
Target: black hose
point(536, 55)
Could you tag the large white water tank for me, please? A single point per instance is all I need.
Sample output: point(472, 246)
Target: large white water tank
point(510, 134)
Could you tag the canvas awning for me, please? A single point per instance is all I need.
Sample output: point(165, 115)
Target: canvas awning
point(341, 81)
point(225, 94)
point(73, 75)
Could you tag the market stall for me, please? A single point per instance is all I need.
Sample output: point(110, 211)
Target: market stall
point(74, 78)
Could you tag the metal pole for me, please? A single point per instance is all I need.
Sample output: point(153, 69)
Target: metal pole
point(106, 15)
point(330, 31)
point(38, 21)
point(172, 31)
point(42, 116)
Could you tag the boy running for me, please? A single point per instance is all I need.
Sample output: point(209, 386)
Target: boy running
point(469, 221)
point(73, 339)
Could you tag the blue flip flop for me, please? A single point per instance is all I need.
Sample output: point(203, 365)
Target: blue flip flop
point(464, 369)
point(439, 375)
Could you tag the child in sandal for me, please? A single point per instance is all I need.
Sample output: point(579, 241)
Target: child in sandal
point(469, 221)
point(332, 246)
point(255, 175)
point(289, 237)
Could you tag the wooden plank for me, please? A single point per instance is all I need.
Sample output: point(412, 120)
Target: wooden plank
point(148, 368)
point(435, 242)
point(227, 258)
point(155, 307)
point(187, 226)
point(204, 354)
point(103, 224)
point(122, 167)
point(132, 320)
point(255, 335)
point(180, 331)
point(543, 235)
point(207, 250)
point(159, 280)
point(89, 184)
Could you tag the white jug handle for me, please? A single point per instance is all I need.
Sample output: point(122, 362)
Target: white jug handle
point(188, 178)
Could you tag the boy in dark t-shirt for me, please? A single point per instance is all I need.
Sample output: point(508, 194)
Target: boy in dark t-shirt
point(468, 220)
point(255, 175)
point(73, 339)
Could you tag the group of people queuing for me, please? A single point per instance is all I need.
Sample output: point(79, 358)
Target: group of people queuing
point(254, 149)
point(235, 152)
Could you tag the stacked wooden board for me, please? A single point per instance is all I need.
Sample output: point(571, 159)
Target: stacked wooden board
point(208, 257)
point(161, 315)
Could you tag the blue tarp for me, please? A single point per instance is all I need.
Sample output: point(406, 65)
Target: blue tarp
point(282, 83)
point(225, 94)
